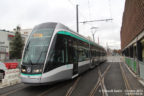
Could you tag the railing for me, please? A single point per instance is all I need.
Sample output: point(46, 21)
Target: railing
point(136, 66)
point(141, 64)
point(132, 63)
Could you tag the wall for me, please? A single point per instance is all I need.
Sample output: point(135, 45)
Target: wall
point(133, 21)
point(5, 39)
point(4, 45)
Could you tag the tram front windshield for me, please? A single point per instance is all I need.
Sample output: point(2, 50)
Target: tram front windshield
point(37, 46)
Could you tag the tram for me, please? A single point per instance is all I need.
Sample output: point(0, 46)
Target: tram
point(54, 53)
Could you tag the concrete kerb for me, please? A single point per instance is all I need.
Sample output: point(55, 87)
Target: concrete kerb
point(141, 81)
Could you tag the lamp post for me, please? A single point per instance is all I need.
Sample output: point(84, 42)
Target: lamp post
point(93, 30)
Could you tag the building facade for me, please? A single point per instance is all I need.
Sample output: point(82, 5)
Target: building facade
point(26, 31)
point(5, 39)
point(132, 30)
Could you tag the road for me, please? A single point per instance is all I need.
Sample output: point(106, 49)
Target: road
point(111, 78)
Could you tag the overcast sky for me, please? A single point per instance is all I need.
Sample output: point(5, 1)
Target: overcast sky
point(28, 13)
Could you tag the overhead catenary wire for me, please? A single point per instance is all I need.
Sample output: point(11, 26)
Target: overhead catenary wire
point(89, 9)
point(110, 8)
point(71, 3)
point(80, 12)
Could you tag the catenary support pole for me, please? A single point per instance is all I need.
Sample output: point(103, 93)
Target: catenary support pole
point(77, 19)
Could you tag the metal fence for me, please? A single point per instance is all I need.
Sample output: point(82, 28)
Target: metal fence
point(141, 64)
point(132, 63)
point(136, 66)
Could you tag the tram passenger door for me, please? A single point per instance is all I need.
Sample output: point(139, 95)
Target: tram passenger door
point(73, 55)
point(75, 58)
point(75, 66)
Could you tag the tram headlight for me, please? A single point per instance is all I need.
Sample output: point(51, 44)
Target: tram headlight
point(23, 70)
point(37, 70)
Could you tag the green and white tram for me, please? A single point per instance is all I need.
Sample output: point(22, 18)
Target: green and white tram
point(54, 53)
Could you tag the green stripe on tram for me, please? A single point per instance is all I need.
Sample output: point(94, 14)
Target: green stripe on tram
point(72, 35)
point(31, 74)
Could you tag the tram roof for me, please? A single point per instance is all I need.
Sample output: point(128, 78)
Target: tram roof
point(65, 28)
point(61, 26)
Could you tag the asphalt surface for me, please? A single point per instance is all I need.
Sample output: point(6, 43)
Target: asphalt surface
point(111, 78)
point(114, 80)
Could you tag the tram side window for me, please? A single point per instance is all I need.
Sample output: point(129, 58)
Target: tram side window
point(66, 50)
point(102, 54)
point(87, 53)
point(99, 53)
point(81, 56)
point(83, 53)
point(72, 50)
point(86, 48)
point(56, 54)
point(91, 53)
point(94, 54)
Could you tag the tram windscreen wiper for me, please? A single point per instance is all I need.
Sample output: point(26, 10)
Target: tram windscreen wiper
point(27, 47)
point(30, 62)
point(41, 55)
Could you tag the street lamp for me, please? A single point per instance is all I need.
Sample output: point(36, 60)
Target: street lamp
point(93, 30)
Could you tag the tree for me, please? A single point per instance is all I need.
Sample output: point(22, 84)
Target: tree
point(16, 45)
